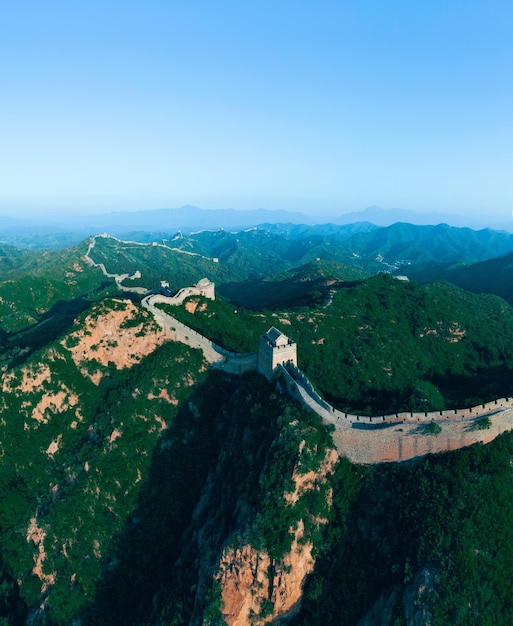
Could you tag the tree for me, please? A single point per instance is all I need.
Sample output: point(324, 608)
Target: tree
point(433, 428)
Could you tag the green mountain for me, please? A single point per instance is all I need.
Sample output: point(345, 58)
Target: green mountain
point(419, 244)
point(362, 245)
point(141, 487)
point(491, 276)
point(40, 295)
point(307, 285)
point(383, 345)
point(12, 260)
point(261, 252)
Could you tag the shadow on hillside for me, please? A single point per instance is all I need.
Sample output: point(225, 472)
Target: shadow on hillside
point(459, 391)
point(55, 323)
point(188, 505)
point(484, 385)
point(151, 541)
point(282, 294)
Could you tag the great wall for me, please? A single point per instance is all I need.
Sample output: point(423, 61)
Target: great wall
point(363, 439)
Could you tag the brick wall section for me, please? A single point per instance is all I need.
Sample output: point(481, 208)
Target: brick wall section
point(218, 357)
point(297, 379)
point(400, 436)
point(361, 438)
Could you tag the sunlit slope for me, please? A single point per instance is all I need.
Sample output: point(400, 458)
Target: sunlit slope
point(382, 345)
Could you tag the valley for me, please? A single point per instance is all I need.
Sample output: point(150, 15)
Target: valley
point(362, 439)
point(151, 476)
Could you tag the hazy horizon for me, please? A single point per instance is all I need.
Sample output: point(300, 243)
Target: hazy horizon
point(322, 109)
point(377, 215)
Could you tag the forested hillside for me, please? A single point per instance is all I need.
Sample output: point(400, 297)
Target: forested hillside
point(384, 345)
point(424, 543)
point(123, 505)
point(441, 243)
point(139, 487)
point(491, 276)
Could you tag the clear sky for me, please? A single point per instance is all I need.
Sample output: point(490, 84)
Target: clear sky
point(301, 105)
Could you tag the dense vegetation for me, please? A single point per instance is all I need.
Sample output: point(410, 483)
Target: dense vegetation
point(234, 260)
point(233, 328)
point(443, 523)
point(155, 263)
point(385, 345)
point(40, 296)
point(70, 477)
point(218, 476)
point(30, 291)
point(491, 276)
point(441, 243)
point(108, 497)
point(308, 285)
point(360, 245)
point(119, 495)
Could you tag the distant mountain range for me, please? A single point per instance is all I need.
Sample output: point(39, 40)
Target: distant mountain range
point(387, 217)
point(69, 229)
point(139, 486)
point(361, 244)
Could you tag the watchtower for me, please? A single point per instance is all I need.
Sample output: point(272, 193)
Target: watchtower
point(275, 349)
point(206, 288)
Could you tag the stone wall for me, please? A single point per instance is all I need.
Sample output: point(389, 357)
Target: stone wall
point(204, 288)
point(296, 379)
point(361, 438)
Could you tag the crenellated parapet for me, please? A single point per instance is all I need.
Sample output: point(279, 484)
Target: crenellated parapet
point(361, 438)
point(298, 385)
point(204, 287)
point(275, 349)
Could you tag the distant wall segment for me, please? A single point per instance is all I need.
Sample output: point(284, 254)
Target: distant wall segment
point(204, 288)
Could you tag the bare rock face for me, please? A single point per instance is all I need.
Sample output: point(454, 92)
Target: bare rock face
point(256, 589)
point(118, 332)
point(414, 600)
point(382, 611)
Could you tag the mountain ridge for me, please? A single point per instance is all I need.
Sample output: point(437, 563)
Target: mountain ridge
point(69, 228)
point(136, 482)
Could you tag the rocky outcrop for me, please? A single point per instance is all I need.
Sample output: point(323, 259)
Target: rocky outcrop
point(117, 332)
point(414, 598)
point(255, 589)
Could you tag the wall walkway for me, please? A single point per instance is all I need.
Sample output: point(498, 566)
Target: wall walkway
point(304, 389)
point(218, 357)
point(401, 436)
point(362, 439)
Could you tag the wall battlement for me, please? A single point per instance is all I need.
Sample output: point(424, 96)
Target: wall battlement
point(275, 349)
point(361, 438)
point(298, 386)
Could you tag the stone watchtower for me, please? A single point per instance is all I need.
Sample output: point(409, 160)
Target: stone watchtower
point(275, 349)
point(206, 288)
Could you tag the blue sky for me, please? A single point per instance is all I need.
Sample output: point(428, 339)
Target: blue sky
point(323, 107)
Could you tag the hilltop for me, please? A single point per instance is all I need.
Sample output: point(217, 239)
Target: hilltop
point(143, 487)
